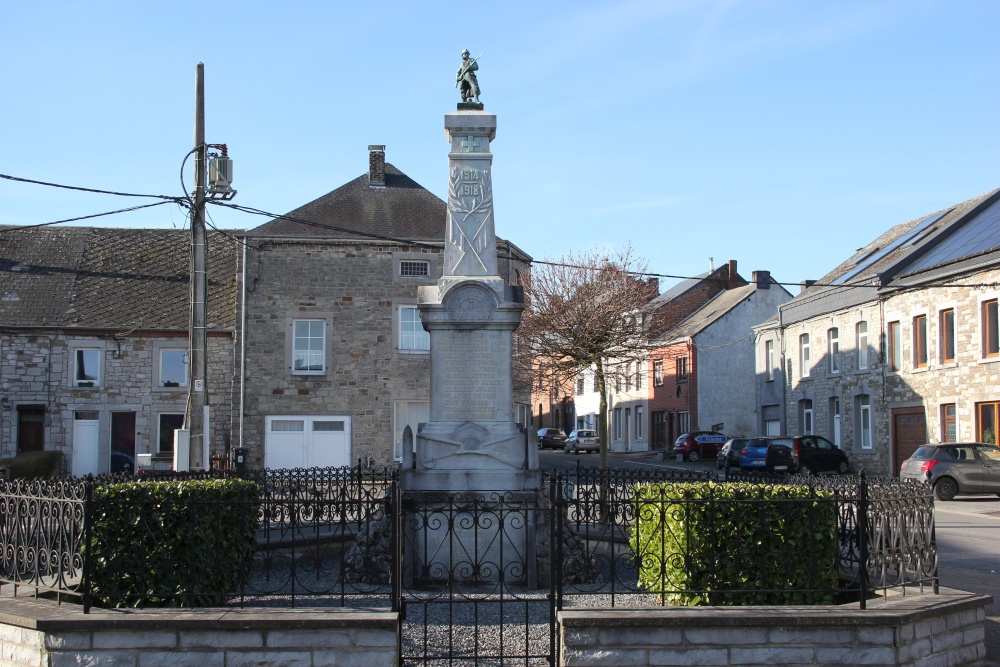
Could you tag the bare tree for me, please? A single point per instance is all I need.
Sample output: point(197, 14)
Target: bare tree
point(585, 311)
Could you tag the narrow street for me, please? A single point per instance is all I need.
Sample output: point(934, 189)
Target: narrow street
point(968, 531)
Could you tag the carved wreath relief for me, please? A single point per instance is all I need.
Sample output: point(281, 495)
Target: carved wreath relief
point(470, 206)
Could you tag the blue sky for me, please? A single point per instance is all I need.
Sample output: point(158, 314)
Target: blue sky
point(783, 135)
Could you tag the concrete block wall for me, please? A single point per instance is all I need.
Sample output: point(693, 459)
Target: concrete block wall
point(917, 631)
point(209, 638)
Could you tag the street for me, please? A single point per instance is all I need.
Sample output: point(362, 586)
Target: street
point(967, 528)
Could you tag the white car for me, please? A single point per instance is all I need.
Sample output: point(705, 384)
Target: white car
point(582, 440)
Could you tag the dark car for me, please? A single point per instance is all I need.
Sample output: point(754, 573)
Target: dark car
point(729, 455)
point(582, 440)
point(954, 468)
point(697, 445)
point(769, 455)
point(816, 454)
point(549, 438)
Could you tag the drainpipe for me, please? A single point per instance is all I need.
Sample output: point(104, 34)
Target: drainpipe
point(243, 346)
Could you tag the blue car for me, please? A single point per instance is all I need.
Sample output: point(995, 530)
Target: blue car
point(770, 455)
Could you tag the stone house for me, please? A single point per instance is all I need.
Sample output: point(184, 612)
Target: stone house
point(336, 361)
point(703, 369)
point(94, 343)
point(895, 347)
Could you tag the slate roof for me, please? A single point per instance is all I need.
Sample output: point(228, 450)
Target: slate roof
point(403, 209)
point(107, 278)
point(943, 243)
point(704, 317)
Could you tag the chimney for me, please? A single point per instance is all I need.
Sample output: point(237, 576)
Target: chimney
point(762, 279)
point(732, 275)
point(711, 265)
point(806, 284)
point(376, 166)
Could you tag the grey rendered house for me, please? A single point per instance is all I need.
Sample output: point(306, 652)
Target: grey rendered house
point(895, 347)
point(336, 361)
point(94, 343)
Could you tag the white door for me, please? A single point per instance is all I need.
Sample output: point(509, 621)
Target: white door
point(85, 441)
point(307, 442)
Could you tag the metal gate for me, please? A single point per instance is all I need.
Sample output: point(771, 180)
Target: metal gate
point(476, 586)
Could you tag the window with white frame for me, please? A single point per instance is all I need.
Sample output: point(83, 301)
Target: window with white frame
point(640, 370)
point(87, 367)
point(920, 341)
point(618, 423)
point(806, 416)
point(946, 325)
point(864, 427)
point(804, 355)
point(414, 268)
point(173, 367)
point(833, 348)
point(769, 358)
point(861, 344)
point(309, 346)
point(658, 373)
point(990, 329)
point(638, 423)
point(411, 332)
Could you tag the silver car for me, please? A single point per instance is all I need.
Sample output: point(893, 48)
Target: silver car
point(582, 440)
point(955, 467)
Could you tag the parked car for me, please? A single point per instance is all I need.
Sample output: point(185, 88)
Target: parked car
point(816, 454)
point(954, 468)
point(729, 455)
point(582, 440)
point(551, 438)
point(697, 445)
point(769, 455)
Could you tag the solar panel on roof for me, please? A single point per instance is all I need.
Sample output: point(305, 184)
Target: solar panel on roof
point(978, 235)
point(898, 243)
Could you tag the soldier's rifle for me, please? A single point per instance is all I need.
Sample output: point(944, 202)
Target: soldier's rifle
point(465, 69)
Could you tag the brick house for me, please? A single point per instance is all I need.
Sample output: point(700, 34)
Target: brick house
point(702, 368)
point(94, 343)
point(895, 347)
point(336, 361)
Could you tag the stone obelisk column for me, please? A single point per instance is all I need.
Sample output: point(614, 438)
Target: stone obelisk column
point(471, 442)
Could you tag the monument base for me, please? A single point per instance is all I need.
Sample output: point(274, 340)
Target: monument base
point(470, 106)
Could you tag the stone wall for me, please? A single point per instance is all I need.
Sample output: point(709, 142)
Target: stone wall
point(923, 630)
point(35, 636)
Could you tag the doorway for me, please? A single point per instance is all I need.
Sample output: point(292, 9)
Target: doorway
point(30, 428)
point(123, 442)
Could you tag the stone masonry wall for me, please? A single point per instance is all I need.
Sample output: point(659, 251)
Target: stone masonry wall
point(920, 631)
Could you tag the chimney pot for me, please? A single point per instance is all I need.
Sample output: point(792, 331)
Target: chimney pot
point(376, 166)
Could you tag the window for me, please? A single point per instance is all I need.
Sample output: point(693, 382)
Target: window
point(596, 385)
point(804, 355)
point(682, 369)
point(411, 332)
point(861, 344)
point(309, 348)
point(946, 323)
point(411, 413)
point(833, 348)
point(683, 422)
point(949, 427)
point(618, 382)
point(638, 423)
point(618, 423)
point(88, 367)
point(864, 426)
point(628, 377)
point(640, 370)
point(895, 342)
point(991, 340)
point(173, 367)
point(920, 341)
point(834, 416)
point(806, 416)
point(580, 382)
point(658, 372)
point(771, 416)
point(769, 359)
point(986, 428)
point(168, 423)
point(412, 268)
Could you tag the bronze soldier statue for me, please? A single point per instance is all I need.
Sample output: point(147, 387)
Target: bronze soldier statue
point(466, 79)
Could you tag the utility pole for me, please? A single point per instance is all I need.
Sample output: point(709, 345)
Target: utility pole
point(198, 358)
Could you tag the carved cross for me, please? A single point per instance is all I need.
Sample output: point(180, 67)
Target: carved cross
point(470, 144)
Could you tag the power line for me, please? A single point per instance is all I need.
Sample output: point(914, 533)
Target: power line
point(85, 217)
point(82, 189)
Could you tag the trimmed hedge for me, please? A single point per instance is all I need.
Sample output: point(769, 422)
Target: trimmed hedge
point(47, 464)
point(177, 544)
point(710, 543)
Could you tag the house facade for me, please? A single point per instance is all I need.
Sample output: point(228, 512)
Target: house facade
point(895, 347)
point(336, 361)
point(94, 343)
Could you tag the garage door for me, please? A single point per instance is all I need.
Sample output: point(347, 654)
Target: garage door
point(307, 442)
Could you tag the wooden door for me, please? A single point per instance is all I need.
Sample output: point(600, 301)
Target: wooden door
point(30, 428)
point(909, 431)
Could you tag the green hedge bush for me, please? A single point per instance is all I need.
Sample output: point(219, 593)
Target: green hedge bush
point(30, 465)
point(179, 544)
point(710, 543)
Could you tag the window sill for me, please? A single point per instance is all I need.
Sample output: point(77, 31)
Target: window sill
point(989, 360)
point(415, 352)
point(948, 364)
point(308, 373)
point(920, 369)
point(863, 371)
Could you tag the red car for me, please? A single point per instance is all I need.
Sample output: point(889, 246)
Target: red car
point(697, 445)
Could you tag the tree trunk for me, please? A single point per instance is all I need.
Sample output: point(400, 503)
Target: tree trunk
point(602, 413)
